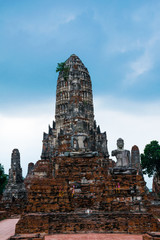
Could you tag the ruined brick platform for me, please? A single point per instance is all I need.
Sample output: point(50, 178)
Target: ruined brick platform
point(8, 209)
point(85, 223)
point(82, 183)
point(94, 204)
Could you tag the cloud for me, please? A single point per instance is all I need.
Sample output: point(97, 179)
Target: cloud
point(144, 63)
point(48, 26)
point(44, 23)
point(124, 105)
point(128, 121)
point(139, 67)
point(23, 128)
point(147, 20)
point(131, 38)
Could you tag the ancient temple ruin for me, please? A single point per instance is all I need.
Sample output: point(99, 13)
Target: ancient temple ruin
point(76, 187)
point(74, 130)
point(15, 189)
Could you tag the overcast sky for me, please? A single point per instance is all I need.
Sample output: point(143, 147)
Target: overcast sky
point(119, 43)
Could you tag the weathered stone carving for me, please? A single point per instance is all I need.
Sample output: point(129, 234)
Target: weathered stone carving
point(123, 156)
point(123, 164)
point(15, 188)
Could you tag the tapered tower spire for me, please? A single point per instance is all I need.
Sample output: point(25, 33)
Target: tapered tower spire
point(74, 100)
point(74, 128)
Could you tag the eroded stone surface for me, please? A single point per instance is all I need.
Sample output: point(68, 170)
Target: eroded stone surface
point(135, 159)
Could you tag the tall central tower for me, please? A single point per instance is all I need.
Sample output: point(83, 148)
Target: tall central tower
point(74, 129)
point(74, 102)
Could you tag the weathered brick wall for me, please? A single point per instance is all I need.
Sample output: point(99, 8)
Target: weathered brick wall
point(82, 183)
point(58, 201)
point(13, 208)
point(83, 222)
point(33, 223)
point(155, 210)
point(3, 215)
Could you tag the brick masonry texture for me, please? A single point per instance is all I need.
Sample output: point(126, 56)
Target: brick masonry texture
point(94, 204)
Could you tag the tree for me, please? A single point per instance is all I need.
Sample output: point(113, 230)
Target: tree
point(150, 160)
point(64, 69)
point(60, 67)
point(3, 179)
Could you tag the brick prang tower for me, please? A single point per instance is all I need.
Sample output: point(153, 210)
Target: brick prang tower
point(74, 130)
point(15, 189)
